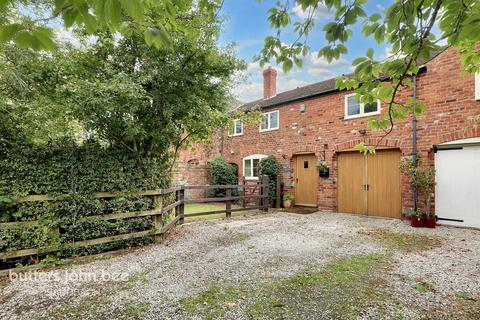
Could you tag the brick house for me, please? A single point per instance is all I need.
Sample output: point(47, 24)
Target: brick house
point(317, 123)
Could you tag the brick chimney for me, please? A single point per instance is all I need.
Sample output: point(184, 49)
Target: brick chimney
point(269, 82)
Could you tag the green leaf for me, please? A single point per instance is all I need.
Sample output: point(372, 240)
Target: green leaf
point(287, 65)
point(370, 53)
point(24, 40)
point(113, 12)
point(164, 37)
point(133, 8)
point(44, 37)
point(8, 31)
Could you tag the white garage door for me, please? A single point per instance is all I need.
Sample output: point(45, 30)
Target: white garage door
point(457, 193)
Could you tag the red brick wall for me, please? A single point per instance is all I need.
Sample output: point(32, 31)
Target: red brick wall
point(447, 92)
point(192, 174)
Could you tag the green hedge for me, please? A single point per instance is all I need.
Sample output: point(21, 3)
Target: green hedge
point(222, 173)
point(269, 166)
point(72, 173)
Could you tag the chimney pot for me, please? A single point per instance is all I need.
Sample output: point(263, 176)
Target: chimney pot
point(269, 82)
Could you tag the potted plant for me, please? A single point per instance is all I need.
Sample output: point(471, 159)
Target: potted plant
point(323, 169)
point(287, 200)
point(417, 219)
point(423, 178)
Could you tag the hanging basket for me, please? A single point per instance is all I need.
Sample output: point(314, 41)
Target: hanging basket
point(325, 173)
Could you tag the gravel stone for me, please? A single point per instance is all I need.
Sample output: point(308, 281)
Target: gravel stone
point(250, 251)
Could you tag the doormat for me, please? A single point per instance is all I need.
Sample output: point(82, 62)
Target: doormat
point(301, 210)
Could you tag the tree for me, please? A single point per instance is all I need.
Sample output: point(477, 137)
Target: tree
point(30, 24)
point(123, 91)
point(405, 26)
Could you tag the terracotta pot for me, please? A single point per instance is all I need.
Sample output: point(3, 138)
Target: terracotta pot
point(417, 222)
point(287, 204)
point(430, 222)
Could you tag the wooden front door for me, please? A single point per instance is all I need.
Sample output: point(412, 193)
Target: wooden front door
point(370, 184)
point(306, 175)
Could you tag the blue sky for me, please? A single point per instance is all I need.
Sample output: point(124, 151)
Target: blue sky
point(246, 24)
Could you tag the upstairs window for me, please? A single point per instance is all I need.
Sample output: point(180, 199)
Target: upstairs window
point(250, 165)
point(235, 128)
point(477, 86)
point(355, 109)
point(270, 121)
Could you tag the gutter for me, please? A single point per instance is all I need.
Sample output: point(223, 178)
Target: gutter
point(422, 69)
point(414, 142)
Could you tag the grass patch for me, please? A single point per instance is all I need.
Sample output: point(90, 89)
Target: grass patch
point(424, 287)
point(136, 309)
point(406, 242)
point(213, 302)
point(340, 290)
point(463, 306)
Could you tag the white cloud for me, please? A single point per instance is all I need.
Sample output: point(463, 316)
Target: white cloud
point(66, 36)
point(322, 12)
point(320, 67)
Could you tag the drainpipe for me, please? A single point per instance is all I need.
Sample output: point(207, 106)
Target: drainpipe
point(414, 141)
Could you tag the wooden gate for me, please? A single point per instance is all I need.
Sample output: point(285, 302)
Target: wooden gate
point(370, 184)
point(306, 175)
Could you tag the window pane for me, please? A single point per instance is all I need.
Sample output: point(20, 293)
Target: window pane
point(305, 164)
point(247, 170)
point(273, 120)
point(353, 107)
point(265, 122)
point(238, 126)
point(371, 107)
point(255, 167)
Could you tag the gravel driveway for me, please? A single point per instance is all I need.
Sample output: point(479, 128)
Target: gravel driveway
point(277, 265)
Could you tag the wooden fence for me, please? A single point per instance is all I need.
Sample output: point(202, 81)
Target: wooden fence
point(161, 210)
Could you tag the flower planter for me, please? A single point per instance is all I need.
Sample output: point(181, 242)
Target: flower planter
point(417, 222)
point(287, 204)
point(324, 173)
point(431, 222)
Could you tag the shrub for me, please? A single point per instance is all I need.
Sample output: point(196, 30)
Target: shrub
point(423, 178)
point(71, 173)
point(222, 173)
point(269, 166)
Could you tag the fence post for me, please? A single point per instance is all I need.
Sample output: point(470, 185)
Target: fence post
point(278, 193)
point(265, 197)
point(243, 193)
point(158, 218)
point(229, 203)
point(181, 207)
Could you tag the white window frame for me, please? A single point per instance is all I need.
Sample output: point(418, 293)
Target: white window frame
point(252, 157)
point(267, 114)
point(235, 134)
point(477, 86)
point(362, 109)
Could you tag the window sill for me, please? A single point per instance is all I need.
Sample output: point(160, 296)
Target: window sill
point(236, 135)
point(267, 130)
point(364, 115)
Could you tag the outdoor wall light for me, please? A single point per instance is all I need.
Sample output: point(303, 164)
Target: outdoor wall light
point(362, 131)
point(232, 152)
point(302, 108)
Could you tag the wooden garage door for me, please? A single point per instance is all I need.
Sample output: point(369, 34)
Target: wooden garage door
point(370, 184)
